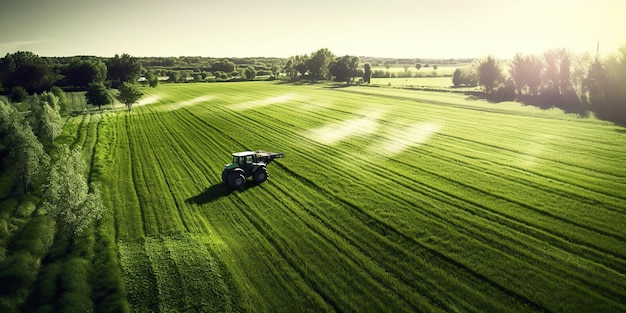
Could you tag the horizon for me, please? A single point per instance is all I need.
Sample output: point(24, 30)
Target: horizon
point(397, 29)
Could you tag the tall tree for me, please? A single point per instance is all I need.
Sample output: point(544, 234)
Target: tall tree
point(45, 111)
point(289, 69)
point(27, 70)
point(27, 154)
point(301, 64)
point(456, 78)
point(129, 94)
point(225, 65)
point(318, 64)
point(250, 73)
point(556, 77)
point(152, 79)
point(68, 196)
point(80, 73)
point(123, 68)
point(344, 68)
point(367, 73)
point(98, 95)
point(489, 72)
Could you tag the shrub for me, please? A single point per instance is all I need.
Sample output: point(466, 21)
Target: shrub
point(18, 94)
point(18, 273)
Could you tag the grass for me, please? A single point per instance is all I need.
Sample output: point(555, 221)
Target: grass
point(387, 200)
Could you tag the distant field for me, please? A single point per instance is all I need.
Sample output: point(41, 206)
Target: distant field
point(439, 82)
point(387, 200)
point(442, 69)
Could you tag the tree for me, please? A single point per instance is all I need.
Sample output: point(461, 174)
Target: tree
point(27, 70)
point(152, 79)
point(275, 69)
point(51, 123)
point(318, 64)
point(418, 66)
point(129, 94)
point(18, 94)
point(123, 69)
point(289, 69)
point(489, 73)
point(173, 76)
point(456, 78)
point(68, 197)
point(607, 91)
point(435, 67)
point(97, 94)
point(517, 70)
point(533, 72)
point(62, 98)
point(367, 74)
point(580, 67)
point(344, 68)
point(45, 110)
point(80, 73)
point(225, 65)
point(26, 153)
point(250, 73)
point(556, 77)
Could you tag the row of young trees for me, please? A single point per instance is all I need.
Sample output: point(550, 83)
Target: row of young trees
point(41, 173)
point(559, 78)
point(30, 141)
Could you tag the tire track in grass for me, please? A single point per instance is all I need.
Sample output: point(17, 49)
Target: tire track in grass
point(524, 175)
point(139, 277)
point(136, 170)
point(170, 295)
point(158, 200)
point(410, 243)
point(379, 251)
point(159, 155)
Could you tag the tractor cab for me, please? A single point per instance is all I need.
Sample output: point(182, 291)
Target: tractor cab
point(244, 160)
point(248, 164)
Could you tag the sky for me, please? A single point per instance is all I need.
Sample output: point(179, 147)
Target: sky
point(283, 28)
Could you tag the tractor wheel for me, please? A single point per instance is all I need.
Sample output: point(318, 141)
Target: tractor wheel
point(236, 180)
point(260, 175)
point(225, 177)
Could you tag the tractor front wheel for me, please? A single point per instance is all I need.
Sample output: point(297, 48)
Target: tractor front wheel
point(236, 180)
point(225, 177)
point(260, 175)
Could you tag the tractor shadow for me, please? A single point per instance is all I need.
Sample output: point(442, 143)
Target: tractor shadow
point(216, 192)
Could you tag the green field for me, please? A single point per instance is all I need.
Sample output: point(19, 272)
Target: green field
point(387, 200)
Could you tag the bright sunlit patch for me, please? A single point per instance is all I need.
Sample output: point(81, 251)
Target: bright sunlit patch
point(336, 132)
point(406, 137)
point(148, 100)
point(248, 105)
point(533, 150)
point(178, 105)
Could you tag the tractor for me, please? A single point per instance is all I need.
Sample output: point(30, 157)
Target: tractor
point(248, 164)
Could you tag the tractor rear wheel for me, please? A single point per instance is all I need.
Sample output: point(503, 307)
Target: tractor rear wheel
point(260, 175)
point(236, 180)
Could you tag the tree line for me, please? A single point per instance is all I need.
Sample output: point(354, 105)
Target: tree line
point(576, 83)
